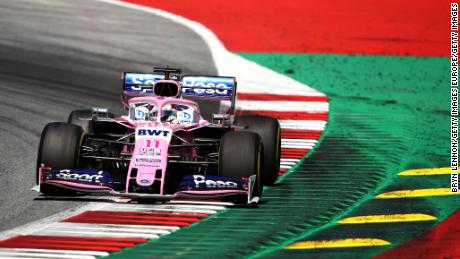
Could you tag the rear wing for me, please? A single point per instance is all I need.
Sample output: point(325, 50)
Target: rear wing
point(215, 88)
point(218, 88)
point(141, 84)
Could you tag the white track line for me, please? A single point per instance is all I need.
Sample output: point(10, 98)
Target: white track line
point(134, 227)
point(170, 207)
point(55, 251)
point(282, 106)
point(289, 162)
point(295, 160)
point(204, 202)
point(95, 233)
point(101, 229)
point(145, 229)
point(303, 124)
point(165, 209)
point(293, 146)
point(19, 254)
point(300, 141)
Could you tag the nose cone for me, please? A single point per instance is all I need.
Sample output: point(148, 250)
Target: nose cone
point(150, 156)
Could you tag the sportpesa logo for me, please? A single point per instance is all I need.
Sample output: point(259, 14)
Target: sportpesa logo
point(201, 181)
point(207, 86)
point(68, 175)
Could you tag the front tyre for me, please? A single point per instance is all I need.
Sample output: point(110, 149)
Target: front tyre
point(59, 148)
point(270, 132)
point(241, 155)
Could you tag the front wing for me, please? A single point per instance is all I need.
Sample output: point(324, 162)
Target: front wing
point(97, 182)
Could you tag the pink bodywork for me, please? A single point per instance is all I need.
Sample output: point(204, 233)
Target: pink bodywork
point(150, 154)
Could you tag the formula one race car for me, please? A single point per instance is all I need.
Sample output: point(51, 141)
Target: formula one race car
point(163, 148)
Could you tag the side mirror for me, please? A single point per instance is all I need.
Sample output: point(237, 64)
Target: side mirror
point(220, 118)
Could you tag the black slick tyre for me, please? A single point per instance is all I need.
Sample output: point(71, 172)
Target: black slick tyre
point(241, 155)
point(59, 148)
point(270, 132)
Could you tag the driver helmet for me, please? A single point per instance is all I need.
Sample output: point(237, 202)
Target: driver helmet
point(169, 114)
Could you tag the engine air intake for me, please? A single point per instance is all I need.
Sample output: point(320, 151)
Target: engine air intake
point(166, 89)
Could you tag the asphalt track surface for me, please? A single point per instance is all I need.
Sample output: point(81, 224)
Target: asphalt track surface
point(61, 55)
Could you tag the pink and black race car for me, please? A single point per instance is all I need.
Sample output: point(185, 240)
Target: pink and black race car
point(163, 148)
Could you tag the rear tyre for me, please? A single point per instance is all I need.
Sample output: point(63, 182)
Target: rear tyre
point(74, 118)
point(270, 132)
point(59, 148)
point(241, 155)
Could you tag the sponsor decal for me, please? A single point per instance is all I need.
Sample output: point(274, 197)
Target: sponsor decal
point(206, 92)
point(135, 82)
point(140, 113)
point(149, 152)
point(66, 174)
point(153, 132)
point(212, 182)
point(184, 117)
point(207, 86)
point(201, 180)
point(140, 82)
point(84, 176)
point(148, 160)
point(145, 181)
point(146, 165)
point(207, 82)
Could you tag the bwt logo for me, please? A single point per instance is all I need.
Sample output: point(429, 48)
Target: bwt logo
point(153, 132)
